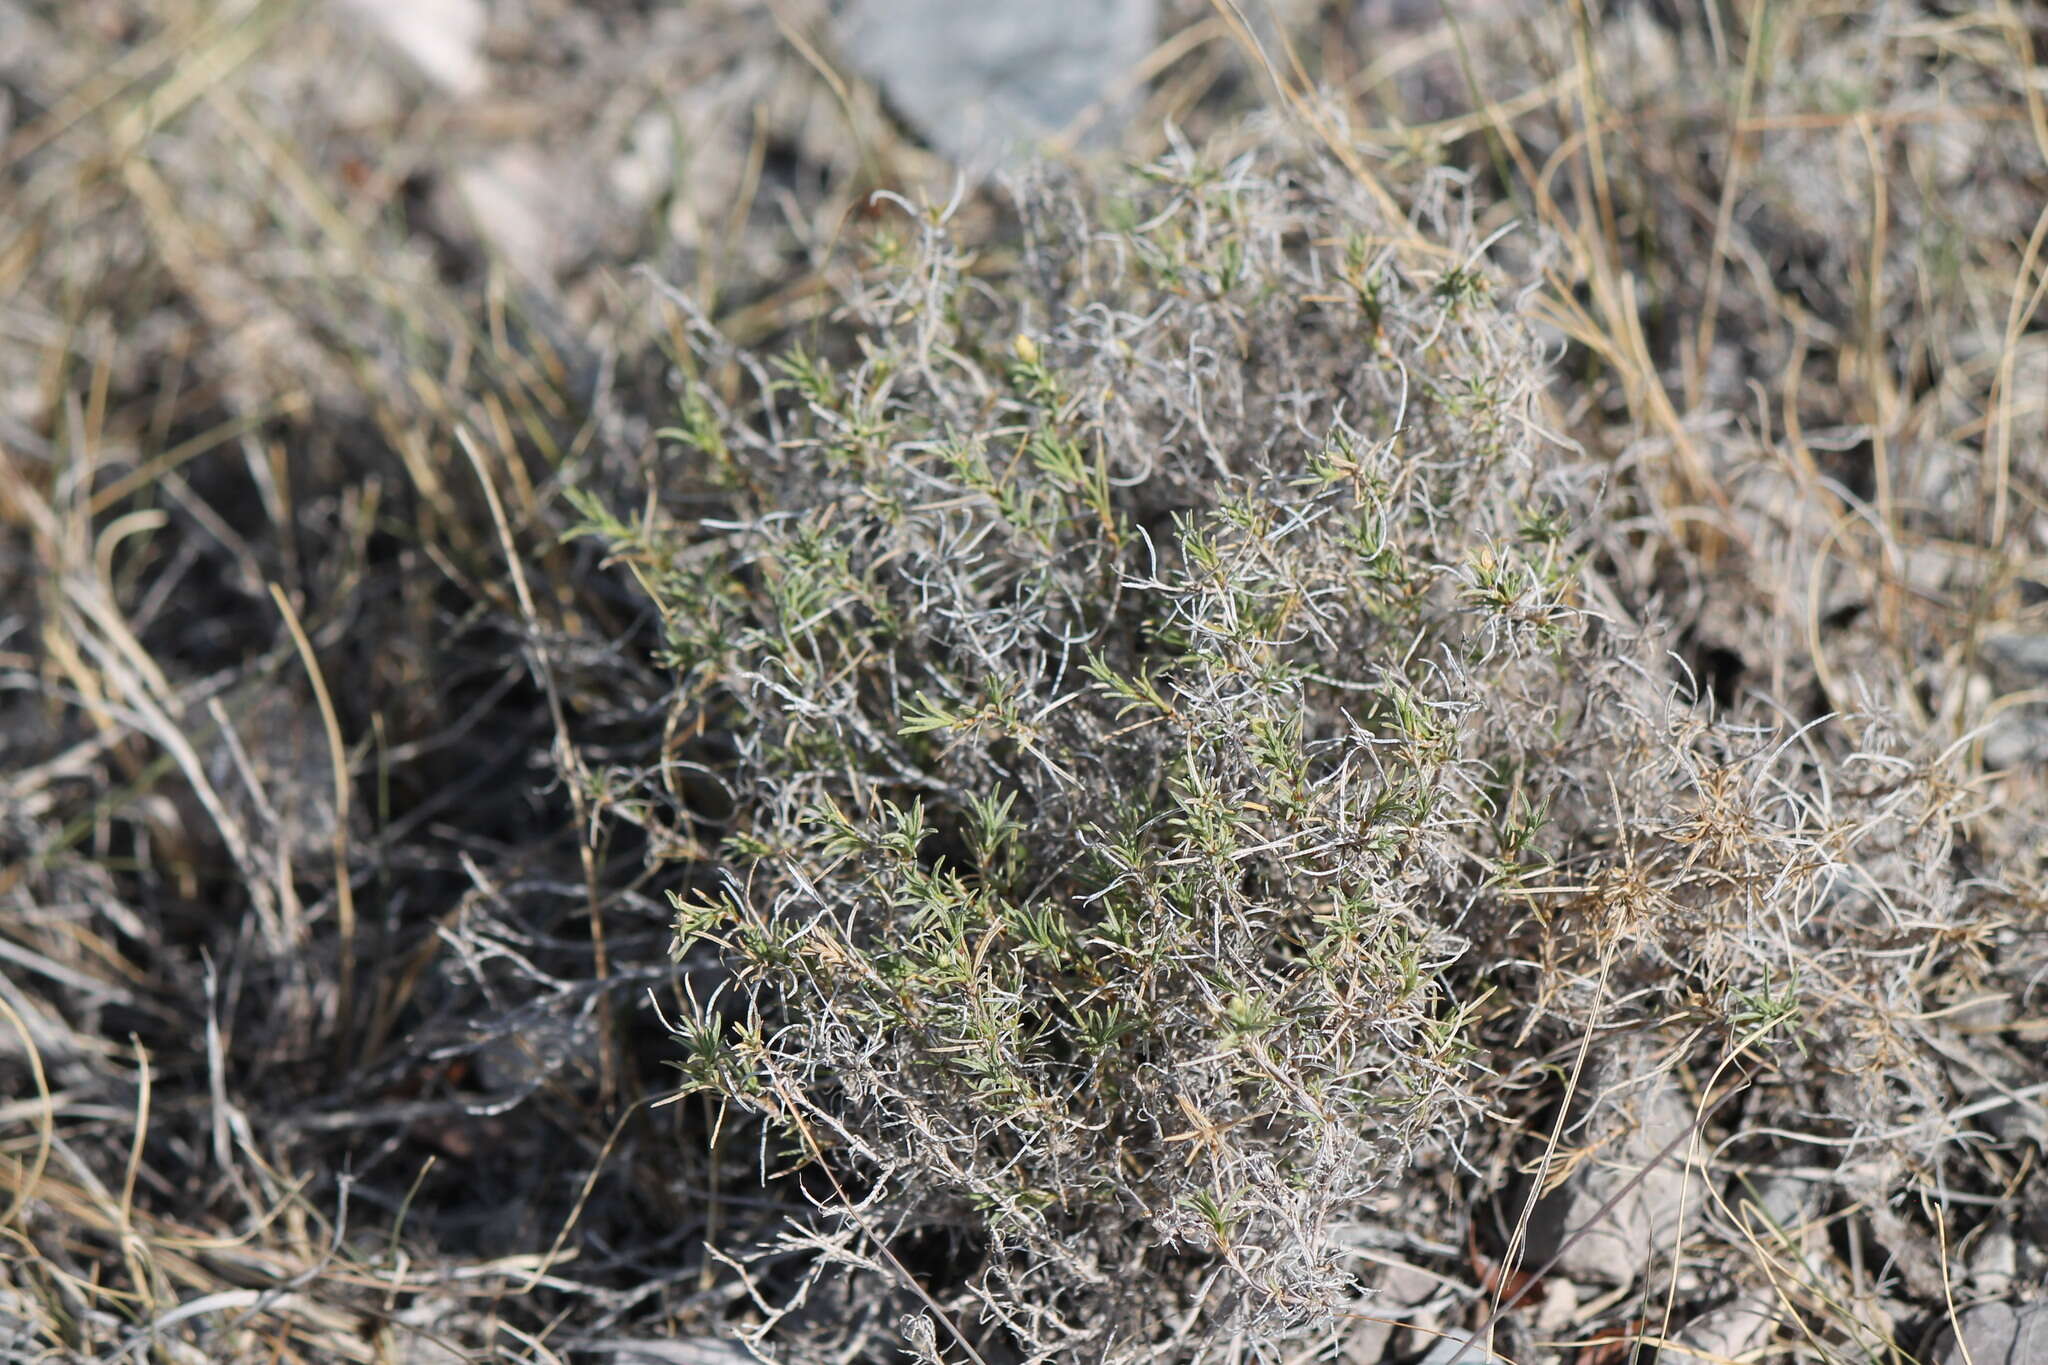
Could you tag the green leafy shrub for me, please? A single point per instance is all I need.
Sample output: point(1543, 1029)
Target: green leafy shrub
point(1149, 690)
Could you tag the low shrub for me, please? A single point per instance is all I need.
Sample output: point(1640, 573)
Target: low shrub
point(1176, 753)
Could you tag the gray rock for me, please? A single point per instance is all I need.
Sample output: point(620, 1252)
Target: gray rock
point(1999, 1334)
point(1995, 1263)
point(1452, 1350)
point(1647, 1220)
point(1400, 1293)
point(443, 38)
point(675, 1351)
point(1734, 1329)
point(2018, 737)
point(984, 80)
point(2025, 654)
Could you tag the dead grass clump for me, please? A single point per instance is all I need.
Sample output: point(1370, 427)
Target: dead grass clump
point(306, 1021)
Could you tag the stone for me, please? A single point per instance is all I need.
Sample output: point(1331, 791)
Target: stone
point(2024, 654)
point(443, 38)
point(1998, 1334)
point(983, 81)
point(1452, 1350)
point(1734, 1329)
point(1648, 1220)
point(675, 1351)
point(1995, 1263)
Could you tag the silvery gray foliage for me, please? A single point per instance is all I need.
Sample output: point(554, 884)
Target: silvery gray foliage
point(1165, 705)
